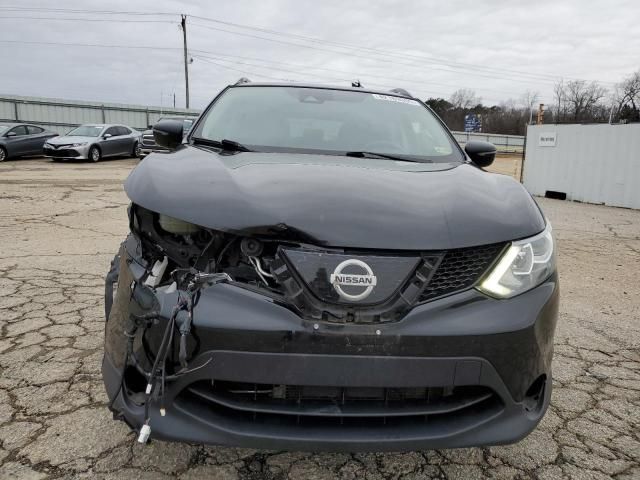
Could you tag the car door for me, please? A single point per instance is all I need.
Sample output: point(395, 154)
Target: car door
point(109, 146)
point(17, 141)
point(125, 141)
point(37, 137)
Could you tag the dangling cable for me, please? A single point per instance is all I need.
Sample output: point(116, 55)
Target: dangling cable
point(145, 430)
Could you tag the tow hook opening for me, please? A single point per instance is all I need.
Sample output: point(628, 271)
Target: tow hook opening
point(134, 381)
point(534, 397)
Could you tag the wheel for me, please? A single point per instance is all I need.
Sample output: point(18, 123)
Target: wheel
point(94, 154)
point(111, 285)
point(136, 150)
point(3, 154)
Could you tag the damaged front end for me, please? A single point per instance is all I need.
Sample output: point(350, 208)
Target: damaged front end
point(242, 338)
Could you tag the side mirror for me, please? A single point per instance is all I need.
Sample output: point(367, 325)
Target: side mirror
point(481, 153)
point(10, 134)
point(168, 133)
point(106, 136)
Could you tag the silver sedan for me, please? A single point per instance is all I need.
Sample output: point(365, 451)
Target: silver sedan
point(94, 142)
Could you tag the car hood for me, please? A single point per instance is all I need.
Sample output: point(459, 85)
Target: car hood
point(336, 201)
point(66, 140)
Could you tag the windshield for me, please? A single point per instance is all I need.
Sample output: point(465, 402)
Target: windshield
point(4, 128)
point(85, 131)
point(313, 120)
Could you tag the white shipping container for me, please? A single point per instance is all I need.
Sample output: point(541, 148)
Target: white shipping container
point(589, 163)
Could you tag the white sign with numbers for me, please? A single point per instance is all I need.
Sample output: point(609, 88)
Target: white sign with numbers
point(547, 139)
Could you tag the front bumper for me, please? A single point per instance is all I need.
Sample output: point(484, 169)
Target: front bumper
point(146, 149)
point(467, 340)
point(80, 153)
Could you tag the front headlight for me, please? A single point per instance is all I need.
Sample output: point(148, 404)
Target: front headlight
point(523, 266)
point(79, 144)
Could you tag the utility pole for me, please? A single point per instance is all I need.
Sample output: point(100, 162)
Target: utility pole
point(183, 23)
point(540, 114)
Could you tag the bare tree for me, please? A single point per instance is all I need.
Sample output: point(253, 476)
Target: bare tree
point(578, 100)
point(465, 98)
point(627, 98)
point(529, 99)
point(560, 106)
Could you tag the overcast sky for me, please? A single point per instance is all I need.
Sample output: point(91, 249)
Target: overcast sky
point(500, 49)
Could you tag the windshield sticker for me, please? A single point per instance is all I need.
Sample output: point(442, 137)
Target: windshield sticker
point(390, 98)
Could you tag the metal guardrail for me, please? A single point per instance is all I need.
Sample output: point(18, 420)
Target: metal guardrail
point(61, 115)
point(503, 143)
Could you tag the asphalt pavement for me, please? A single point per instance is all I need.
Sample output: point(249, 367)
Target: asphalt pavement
point(60, 225)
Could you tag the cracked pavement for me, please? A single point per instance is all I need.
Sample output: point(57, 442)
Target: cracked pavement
point(62, 223)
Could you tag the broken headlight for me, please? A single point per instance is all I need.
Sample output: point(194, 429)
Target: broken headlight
point(177, 226)
point(525, 264)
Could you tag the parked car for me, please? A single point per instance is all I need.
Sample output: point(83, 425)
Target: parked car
point(22, 139)
point(149, 144)
point(94, 142)
point(325, 268)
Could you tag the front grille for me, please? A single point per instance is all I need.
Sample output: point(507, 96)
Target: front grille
point(339, 407)
point(460, 269)
point(402, 281)
point(148, 140)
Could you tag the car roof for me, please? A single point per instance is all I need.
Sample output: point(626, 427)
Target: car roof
point(104, 125)
point(19, 124)
point(395, 93)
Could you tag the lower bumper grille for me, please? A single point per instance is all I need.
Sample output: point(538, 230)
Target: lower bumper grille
point(326, 407)
point(63, 152)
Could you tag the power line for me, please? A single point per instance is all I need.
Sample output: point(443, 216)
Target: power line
point(352, 54)
point(377, 51)
point(300, 66)
point(78, 10)
point(362, 76)
point(421, 94)
point(101, 20)
point(354, 74)
point(96, 45)
point(380, 52)
point(244, 72)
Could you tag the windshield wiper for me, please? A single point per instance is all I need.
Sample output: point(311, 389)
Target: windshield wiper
point(224, 144)
point(380, 155)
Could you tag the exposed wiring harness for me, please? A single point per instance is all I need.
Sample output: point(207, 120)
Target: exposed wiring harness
point(182, 317)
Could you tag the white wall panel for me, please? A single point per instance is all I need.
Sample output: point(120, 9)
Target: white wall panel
point(590, 163)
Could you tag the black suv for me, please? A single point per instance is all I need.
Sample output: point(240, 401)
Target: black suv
point(324, 268)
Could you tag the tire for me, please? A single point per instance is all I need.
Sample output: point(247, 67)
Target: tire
point(111, 285)
point(136, 150)
point(3, 154)
point(94, 154)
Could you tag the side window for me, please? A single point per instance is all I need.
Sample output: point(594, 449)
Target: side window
point(21, 130)
point(113, 131)
point(33, 130)
point(124, 131)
